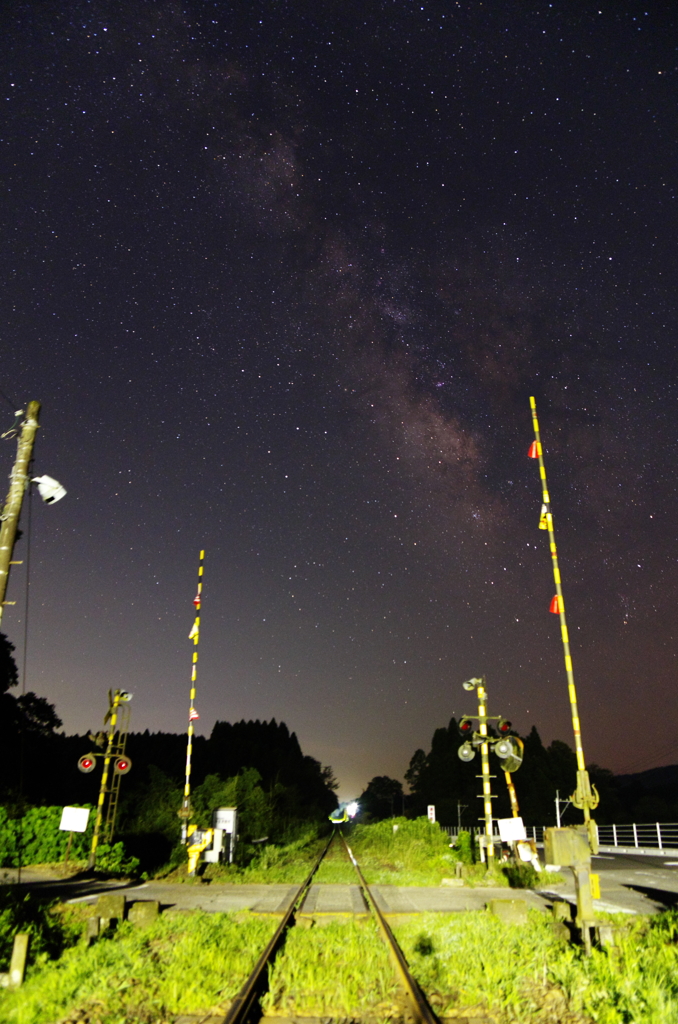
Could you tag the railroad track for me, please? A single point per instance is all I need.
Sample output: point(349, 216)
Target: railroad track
point(245, 1008)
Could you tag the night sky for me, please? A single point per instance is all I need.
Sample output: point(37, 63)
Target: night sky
point(284, 275)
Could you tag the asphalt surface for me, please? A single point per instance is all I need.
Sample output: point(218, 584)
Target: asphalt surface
point(629, 884)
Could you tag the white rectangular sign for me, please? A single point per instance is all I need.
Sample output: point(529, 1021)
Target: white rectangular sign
point(511, 830)
point(431, 812)
point(74, 819)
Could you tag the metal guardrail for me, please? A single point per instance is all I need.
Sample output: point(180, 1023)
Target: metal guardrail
point(655, 838)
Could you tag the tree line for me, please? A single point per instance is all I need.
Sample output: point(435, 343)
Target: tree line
point(440, 778)
point(257, 765)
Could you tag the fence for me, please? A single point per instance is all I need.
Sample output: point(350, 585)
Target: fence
point(654, 839)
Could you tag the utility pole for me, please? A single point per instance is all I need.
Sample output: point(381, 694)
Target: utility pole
point(15, 496)
point(558, 803)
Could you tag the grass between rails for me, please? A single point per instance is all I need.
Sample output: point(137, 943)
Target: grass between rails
point(188, 963)
point(340, 970)
point(531, 976)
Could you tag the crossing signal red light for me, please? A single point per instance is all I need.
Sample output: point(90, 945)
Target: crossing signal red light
point(465, 727)
point(122, 765)
point(87, 763)
point(503, 727)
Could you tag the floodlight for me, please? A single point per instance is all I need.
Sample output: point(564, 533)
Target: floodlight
point(50, 489)
point(471, 684)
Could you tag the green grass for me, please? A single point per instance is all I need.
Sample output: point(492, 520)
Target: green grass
point(339, 970)
point(531, 975)
point(289, 863)
point(393, 852)
point(471, 962)
point(183, 963)
point(403, 852)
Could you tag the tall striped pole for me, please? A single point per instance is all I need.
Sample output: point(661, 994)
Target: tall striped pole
point(193, 715)
point(485, 769)
point(585, 797)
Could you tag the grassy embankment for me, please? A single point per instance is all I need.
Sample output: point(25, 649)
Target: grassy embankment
point(184, 963)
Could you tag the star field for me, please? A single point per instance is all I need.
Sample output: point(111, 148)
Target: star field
point(284, 276)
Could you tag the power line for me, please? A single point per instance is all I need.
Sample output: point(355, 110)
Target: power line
point(13, 405)
point(647, 763)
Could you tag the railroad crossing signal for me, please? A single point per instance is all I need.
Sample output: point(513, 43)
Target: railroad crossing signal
point(509, 749)
point(114, 741)
point(465, 727)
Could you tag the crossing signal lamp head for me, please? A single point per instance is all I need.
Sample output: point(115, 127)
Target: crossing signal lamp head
point(503, 748)
point(122, 765)
point(87, 763)
point(465, 727)
point(466, 752)
point(503, 727)
point(510, 752)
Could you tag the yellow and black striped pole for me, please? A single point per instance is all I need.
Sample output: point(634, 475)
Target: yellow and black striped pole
point(194, 635)
point(115, 699)
point(585, 797)
point(515, 811)
point(485, 768)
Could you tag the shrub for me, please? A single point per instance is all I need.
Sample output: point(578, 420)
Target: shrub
point(34, 837)
point(464, 848)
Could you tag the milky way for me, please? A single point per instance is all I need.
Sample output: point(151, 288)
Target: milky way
point(284, 277)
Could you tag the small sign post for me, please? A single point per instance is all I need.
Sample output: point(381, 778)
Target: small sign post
point(511, 830)
point(431, 812)
point(73, 819)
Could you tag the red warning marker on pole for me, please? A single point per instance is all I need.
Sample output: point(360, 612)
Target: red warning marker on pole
point(556, 605)
point(196, 600)
point(533, 452)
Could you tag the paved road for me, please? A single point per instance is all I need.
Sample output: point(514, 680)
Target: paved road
point(631, 884)
point(634, 884)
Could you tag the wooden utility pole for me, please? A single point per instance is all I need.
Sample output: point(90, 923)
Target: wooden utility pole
point(17, 488)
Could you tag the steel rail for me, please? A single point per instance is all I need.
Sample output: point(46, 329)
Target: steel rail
point(243, 1003)
point(417, 1002)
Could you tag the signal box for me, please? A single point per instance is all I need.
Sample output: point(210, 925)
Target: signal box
point(566, 846)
